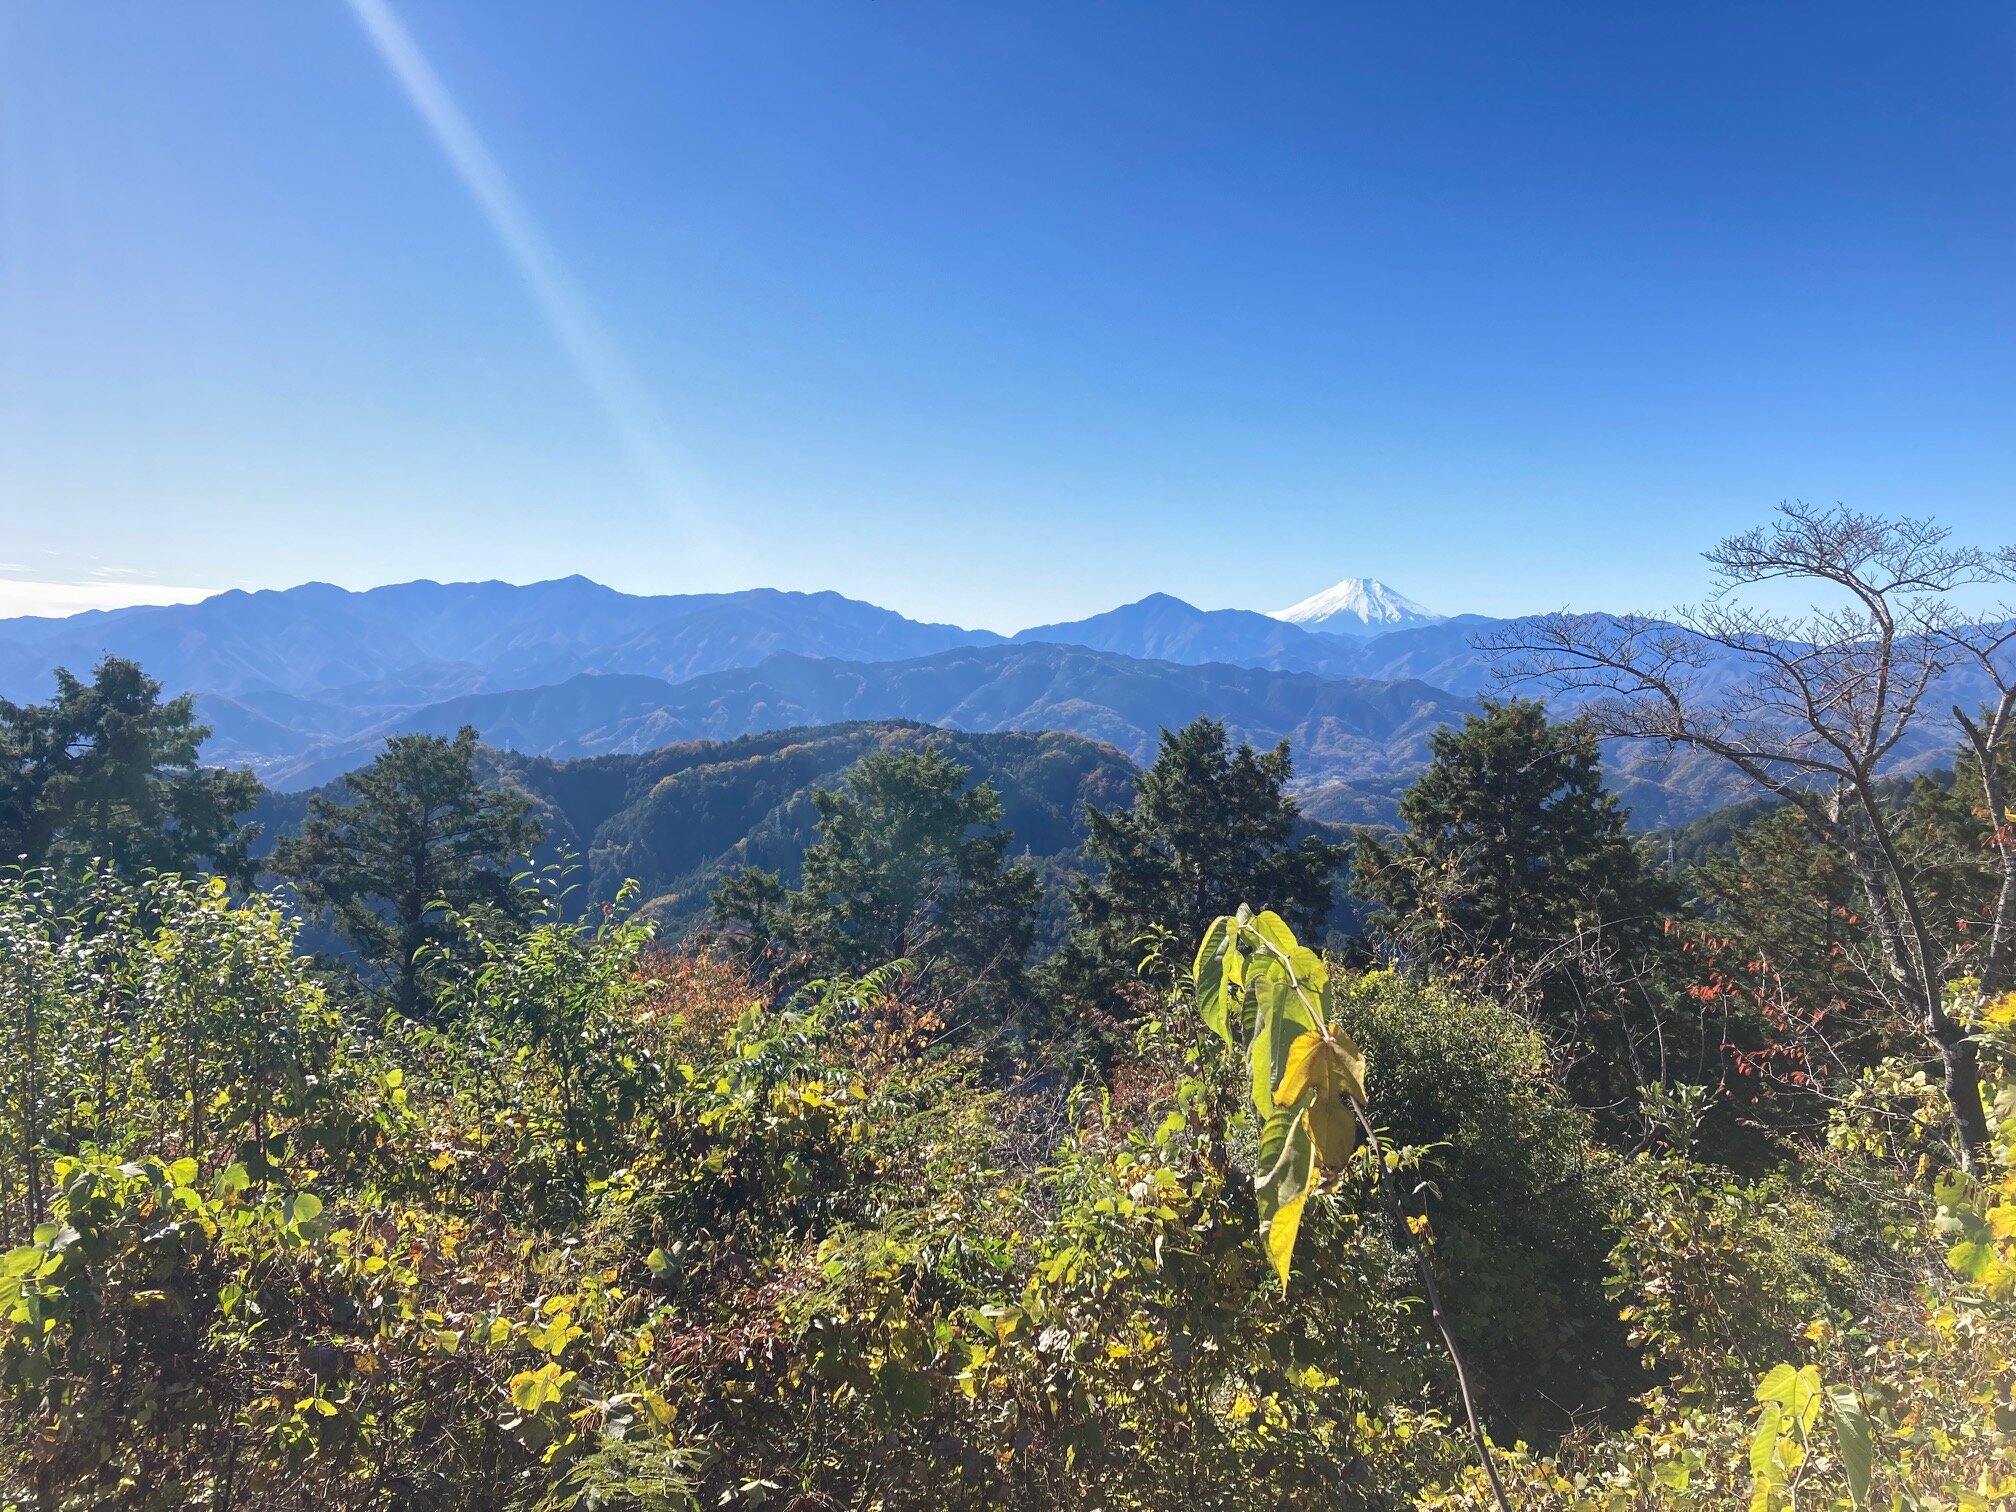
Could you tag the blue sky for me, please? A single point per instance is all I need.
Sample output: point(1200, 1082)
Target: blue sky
point(995, 314)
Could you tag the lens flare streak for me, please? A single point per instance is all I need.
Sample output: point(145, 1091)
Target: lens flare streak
point(600, 364)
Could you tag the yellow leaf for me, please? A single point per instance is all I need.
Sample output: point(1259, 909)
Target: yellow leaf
point(1281, 1230)
point(1333, 1129)
point(533, 1389)
point(1331, 1063)
point(1328, 1070)
point(1303, 1070)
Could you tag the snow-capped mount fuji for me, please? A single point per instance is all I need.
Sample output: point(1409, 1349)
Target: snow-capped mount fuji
point(1357, 606)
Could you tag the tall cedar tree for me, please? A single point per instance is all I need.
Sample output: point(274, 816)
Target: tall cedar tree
point(1515, 874)
point(909, 865)
point(419, 839)
point(108, 770)
point(1209, 829)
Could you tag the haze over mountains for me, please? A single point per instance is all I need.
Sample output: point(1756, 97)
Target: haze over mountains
point(1341, 728)
point(421, 641)
point(303, 684)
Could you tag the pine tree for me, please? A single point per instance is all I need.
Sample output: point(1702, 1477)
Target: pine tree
point(1210, 828)
point(109, 770)
point(418, 840)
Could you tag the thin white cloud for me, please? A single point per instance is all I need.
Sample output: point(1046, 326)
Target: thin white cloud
point(596, 358)
point(19, 597)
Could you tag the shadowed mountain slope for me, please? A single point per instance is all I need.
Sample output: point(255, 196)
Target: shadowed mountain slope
point(1162, 628)
point(1338, 729)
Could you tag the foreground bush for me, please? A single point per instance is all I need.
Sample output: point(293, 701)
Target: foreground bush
point(618, 1233)
point(1909, 1404)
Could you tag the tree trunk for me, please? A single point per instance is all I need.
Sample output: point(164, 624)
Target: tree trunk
point(1998, 965)
point(1961, 1059)
point(1908, 952)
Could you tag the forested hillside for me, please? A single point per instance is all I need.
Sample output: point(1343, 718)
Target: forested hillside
point(678, 819)
point(1357, 742)
point(1014, 1128)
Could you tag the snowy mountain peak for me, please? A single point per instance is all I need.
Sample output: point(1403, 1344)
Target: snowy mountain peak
point(1357, 606)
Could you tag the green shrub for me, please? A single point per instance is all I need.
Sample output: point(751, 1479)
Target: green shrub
point(1519, 1201)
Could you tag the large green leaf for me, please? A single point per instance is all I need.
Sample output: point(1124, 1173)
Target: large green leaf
point(1279, 1018)
point(1797, 1391)
point(1274, 934)
point(1851, 1428)
point(302, 1207)
point(1274, 1131)
point(1307, 1080)
point(1219, 974)
point(1764, 1468)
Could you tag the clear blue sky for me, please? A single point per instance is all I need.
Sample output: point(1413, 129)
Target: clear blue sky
point(994, 313)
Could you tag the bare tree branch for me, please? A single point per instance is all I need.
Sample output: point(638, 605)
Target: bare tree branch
point(1813, 708)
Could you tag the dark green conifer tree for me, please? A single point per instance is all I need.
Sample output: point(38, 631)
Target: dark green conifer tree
point(417, 841)
point(108, 769)
point(1516, 876)
point(1210, 828)
point(910, 864)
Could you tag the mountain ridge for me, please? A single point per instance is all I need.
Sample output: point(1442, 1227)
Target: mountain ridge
point(1341, 727)
point(302, 684)
point(1162, 627)
point(418, 642)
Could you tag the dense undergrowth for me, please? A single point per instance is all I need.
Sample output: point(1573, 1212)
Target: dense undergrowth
point(620, 1228)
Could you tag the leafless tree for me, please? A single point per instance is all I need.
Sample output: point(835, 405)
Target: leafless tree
point(1815, 707)
point(1989, 650)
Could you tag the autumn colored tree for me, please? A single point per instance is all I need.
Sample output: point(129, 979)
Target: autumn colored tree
point(1813, 708)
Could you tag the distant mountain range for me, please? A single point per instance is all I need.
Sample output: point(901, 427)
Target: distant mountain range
point(303, 684)
point(1162, 628)
point(279, 652)
point(295, 654)
point(1340, 728)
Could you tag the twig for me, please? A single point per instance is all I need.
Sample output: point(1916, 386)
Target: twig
point(1426, 1270)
